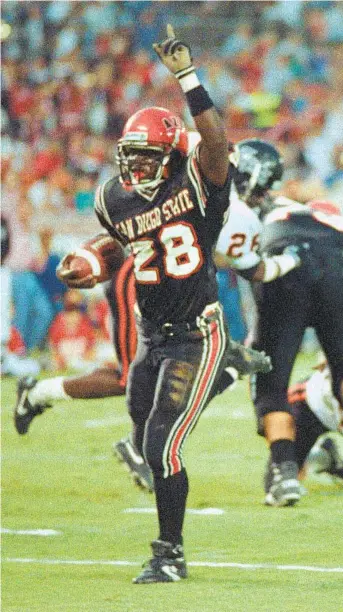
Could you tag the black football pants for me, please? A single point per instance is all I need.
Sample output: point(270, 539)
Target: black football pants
point(171, 381)
point(286, 307)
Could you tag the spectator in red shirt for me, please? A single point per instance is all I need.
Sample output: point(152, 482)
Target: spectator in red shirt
point(71, 335)
point(48, 160)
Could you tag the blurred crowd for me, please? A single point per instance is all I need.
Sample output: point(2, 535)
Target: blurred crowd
point(73, 72)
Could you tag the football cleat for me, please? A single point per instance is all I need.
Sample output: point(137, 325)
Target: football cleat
point(24, 412)
point(247, 360)
point(166, 565)
point(281, 484)
point(142, 474)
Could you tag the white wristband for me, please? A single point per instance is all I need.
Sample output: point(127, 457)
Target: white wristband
point(277, 266)
point(189, 81)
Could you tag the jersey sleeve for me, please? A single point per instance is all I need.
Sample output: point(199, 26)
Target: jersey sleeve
point(101, 208)
point(205, 191)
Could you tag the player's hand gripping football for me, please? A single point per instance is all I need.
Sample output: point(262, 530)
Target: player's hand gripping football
point(95, 261)
point(74, 273)
point(174, 54)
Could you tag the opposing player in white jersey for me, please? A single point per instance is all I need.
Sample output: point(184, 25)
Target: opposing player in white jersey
point(259, 169)
point(317, 412)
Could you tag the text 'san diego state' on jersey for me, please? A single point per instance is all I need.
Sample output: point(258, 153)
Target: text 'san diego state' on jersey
point(171, 237)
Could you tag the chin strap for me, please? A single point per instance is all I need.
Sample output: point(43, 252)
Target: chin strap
point(147, 192)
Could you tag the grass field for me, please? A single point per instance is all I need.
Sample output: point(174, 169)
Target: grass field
point(62, 477)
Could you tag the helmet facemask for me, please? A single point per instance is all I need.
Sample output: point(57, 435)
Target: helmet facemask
point(259, 169)
point(146, 150)
point(142, 167)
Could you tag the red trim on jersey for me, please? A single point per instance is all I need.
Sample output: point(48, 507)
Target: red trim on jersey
point(122, 318)
point(131, 299)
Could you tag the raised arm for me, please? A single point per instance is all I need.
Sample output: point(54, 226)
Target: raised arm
point(213, 156)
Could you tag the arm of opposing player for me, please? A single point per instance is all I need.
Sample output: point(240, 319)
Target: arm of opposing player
point(232, 251)
point(270, 268)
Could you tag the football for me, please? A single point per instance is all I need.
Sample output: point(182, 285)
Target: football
point(108, 255)
point(93, 262)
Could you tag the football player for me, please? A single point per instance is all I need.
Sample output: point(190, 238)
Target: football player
point(35, 396)
point(316, 412)
point(292, 262)
point(309, 296)
point(168, 207)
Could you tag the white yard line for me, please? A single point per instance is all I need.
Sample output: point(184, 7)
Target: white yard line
point(245, 566)
point(34, 532)
point(106, 421)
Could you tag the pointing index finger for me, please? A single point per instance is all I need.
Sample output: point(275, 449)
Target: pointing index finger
point(170, 31)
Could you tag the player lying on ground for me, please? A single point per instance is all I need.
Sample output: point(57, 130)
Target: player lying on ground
point(259, 169)
point(316, 412)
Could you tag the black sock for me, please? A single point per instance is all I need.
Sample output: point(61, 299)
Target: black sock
point(336, 472)
point(282, 450)
point(171, 496)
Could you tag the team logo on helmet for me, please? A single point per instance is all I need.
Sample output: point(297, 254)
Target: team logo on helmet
point(149, 139)
point(259, 168)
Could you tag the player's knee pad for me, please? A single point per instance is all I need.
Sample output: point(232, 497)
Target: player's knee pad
point(174, 385)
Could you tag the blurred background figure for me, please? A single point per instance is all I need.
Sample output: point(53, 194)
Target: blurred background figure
point(71, 335)
point(13, 361)
point(46, 263)
point(33, 312)
point(79, 336)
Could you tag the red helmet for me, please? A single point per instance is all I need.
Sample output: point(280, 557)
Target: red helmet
point(149, 137)
point(329, 208)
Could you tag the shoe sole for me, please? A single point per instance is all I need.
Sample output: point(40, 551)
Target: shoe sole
point(162, 579)
point(288, 500)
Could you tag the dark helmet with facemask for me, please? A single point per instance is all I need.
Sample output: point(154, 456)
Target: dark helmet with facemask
point(259, 167)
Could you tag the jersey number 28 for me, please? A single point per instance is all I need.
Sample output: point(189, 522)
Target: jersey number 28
point(179, 249)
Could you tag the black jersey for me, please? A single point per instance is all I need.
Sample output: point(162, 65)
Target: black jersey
point(299, 223)
point(171, 237)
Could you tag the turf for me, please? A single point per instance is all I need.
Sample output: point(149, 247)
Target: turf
point(62, 476)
